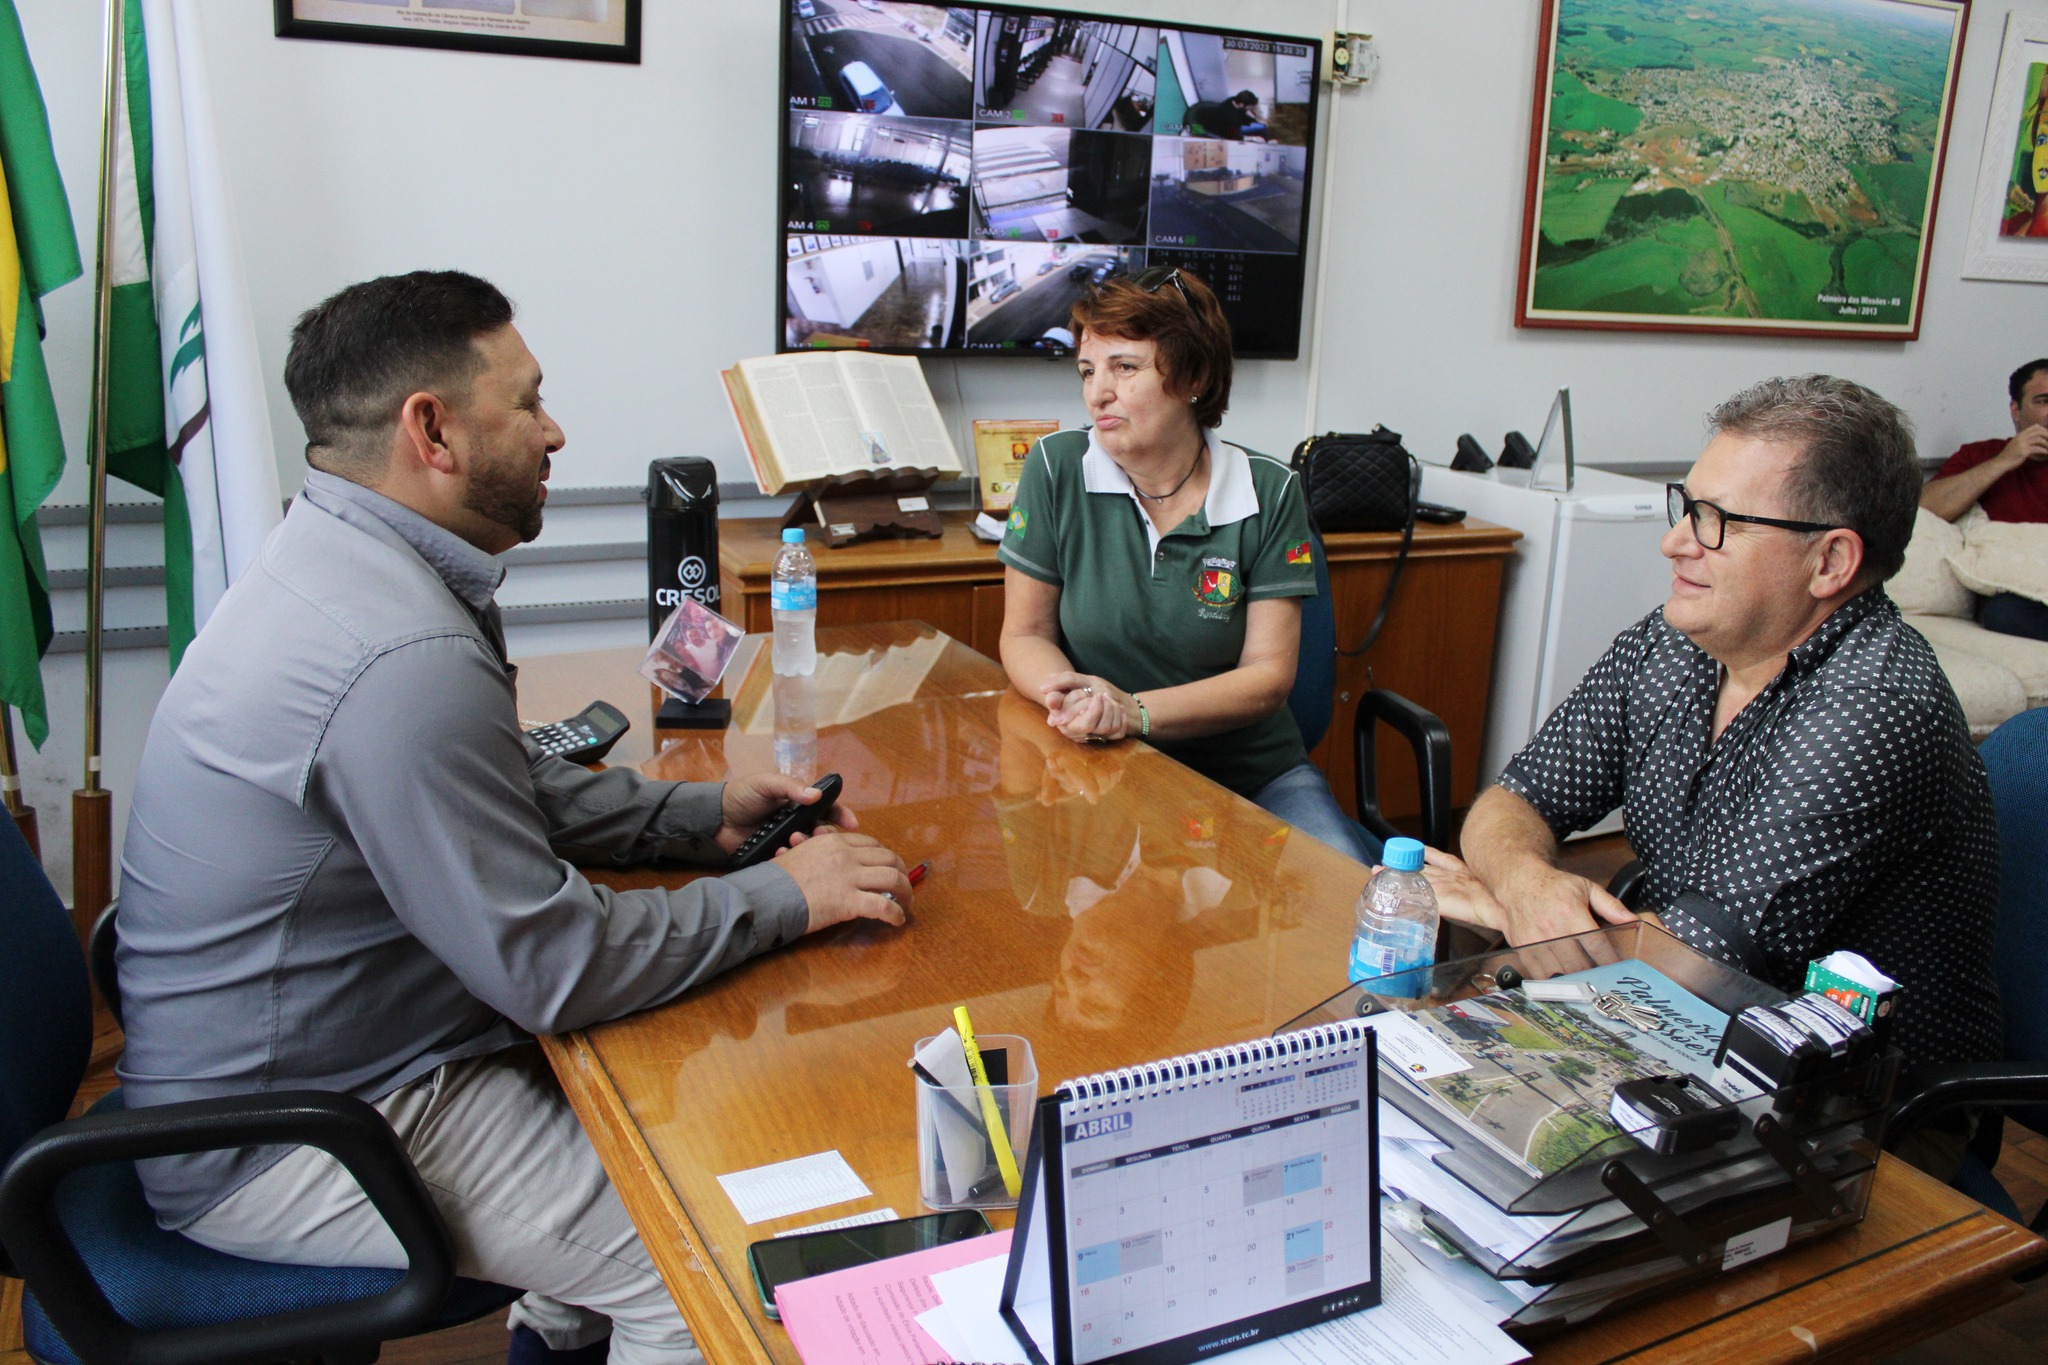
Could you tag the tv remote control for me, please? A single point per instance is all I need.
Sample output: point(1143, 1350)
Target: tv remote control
point(791, 819)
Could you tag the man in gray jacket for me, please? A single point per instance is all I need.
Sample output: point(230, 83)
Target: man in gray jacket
point(345, 868)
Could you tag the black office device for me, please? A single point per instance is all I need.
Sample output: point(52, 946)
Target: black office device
point(1516, 452)
point(778, 1260)
point(586, 736)
point(1438, 513)
point(1470, 459)
point(954, 179)
point(791, 819)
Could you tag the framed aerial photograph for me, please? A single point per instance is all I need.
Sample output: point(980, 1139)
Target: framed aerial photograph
point(1768, 167)
point(2009, 212)
point(592, 30)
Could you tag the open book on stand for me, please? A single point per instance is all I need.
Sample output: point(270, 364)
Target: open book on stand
point(824, 413)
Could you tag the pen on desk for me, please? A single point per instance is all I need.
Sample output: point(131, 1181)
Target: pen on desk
point(946, 1096)
point(917, 873)
point(999, 1137)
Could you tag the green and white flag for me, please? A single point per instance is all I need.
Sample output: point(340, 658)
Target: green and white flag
point(38, 252)
point(186, 414)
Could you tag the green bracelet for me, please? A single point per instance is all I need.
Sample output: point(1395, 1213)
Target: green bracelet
point(1144, 716)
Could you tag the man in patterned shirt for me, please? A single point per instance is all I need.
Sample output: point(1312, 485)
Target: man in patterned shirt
point(1783, 745)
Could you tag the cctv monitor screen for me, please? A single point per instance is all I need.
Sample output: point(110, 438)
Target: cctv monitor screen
point(954, 178)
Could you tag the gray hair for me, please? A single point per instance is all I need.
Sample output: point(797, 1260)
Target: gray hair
point(1857, 467)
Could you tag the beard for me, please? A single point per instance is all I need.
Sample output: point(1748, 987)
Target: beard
point(501, 494)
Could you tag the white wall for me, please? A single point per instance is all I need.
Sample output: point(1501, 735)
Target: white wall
point(1428, 203)
point(631, 212)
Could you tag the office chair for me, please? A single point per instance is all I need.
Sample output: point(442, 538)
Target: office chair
point(104, 1282)
point(2016, 757)
point(1313, 700)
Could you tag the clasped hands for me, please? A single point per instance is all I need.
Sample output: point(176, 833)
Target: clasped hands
point(1544, 902)
point(1088, 709)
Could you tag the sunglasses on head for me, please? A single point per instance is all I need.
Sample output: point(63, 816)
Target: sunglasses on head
point(1158, 277)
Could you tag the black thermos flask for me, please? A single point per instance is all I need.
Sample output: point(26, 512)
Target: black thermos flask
point(682, 536)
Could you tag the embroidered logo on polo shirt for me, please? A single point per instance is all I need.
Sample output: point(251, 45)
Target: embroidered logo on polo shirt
point(1218, 588)
point(1017, 520)
point(1300, 554)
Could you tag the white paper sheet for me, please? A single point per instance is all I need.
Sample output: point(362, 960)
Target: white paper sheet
point(973, 1294)
point(1420, 1321)
point(939, 1326)
point(852, 1221)
point(1409, 1047)
point(795, 1186)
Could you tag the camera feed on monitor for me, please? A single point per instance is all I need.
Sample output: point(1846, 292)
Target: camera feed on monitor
point(896, 293)
point(1021, 295)
point(1060, 185)
point(1063, 71)
point(954, 179)
point(1228, 196)
point(881, 57)
point(881, 176)
point(1236, 89)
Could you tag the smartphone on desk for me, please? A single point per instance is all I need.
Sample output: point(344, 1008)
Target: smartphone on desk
point(778, 1260)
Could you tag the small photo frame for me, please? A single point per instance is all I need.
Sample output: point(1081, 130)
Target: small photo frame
point(691, 651)
point(587, 30)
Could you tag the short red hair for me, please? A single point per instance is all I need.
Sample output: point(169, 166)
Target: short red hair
point(1181, 316)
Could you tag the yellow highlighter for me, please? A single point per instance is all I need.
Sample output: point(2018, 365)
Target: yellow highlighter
point(999, 1137)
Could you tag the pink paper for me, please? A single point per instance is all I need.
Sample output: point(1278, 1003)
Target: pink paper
point(868, 1315)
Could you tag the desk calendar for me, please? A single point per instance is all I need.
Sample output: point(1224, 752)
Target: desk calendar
point(1175, 1211)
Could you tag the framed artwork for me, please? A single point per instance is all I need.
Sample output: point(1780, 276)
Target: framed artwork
point(2009, 212)
point(1768, 167)
point(593, 30)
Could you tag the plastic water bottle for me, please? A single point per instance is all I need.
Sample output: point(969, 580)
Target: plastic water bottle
point(1397, 921)
point(793, 598)
point(796, 726)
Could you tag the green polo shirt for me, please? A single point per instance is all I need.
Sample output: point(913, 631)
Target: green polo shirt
point(1148, 611)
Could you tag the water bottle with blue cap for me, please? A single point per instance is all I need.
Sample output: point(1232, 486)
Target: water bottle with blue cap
point(1397, 921)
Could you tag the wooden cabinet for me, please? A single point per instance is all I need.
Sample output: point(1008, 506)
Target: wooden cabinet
point(1437, 648)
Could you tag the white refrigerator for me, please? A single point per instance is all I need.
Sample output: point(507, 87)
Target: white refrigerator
point(1588, 567)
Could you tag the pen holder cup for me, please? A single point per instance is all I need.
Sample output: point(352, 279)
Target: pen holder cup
point(956, 1161)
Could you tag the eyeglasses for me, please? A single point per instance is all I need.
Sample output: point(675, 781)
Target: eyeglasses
point(1158, 277)
point(1710, 522)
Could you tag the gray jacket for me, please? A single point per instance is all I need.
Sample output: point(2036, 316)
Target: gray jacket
point(344, 866)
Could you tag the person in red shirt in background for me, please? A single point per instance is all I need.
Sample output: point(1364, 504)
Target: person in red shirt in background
point(2009, 479)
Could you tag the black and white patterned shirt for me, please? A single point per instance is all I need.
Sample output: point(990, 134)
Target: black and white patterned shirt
point(1844, 807)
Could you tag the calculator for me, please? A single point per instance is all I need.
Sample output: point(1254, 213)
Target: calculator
point(586, 736)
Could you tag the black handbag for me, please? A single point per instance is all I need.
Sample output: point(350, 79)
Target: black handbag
point(1365, 482)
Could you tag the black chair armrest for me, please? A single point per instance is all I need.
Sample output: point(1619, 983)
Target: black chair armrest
point(1626, 885)
point(1429, 737)
point(1938, 1089)
point(357, 1135)
point(99, 958)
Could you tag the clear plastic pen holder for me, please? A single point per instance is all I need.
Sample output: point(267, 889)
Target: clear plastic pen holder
point(956, 1161)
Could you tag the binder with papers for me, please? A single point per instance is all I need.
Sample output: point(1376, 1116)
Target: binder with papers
point(1509, 1163)
point(1179, 1210)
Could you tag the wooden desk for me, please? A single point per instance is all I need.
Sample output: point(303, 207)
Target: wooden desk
point(1437, 648)
point(804, 1049)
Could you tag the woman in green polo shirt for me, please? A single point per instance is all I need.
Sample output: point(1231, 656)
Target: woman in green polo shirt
point(1153, 569)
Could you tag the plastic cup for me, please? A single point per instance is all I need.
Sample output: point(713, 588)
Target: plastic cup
point(956, 1161)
